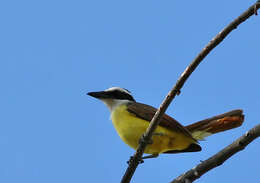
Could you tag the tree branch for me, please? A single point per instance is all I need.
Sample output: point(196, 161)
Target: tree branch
point(135, 160)
point(219, 158)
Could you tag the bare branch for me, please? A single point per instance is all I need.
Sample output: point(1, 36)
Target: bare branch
point(135, 160)
point(219, 158)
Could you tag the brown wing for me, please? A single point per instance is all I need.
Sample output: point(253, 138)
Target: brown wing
point(147, 112)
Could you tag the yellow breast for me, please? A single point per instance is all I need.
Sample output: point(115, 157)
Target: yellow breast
point(130, 128)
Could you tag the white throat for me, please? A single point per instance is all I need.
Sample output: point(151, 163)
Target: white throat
point(112, 104)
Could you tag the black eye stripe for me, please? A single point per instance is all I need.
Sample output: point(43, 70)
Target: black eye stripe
point(120, 95)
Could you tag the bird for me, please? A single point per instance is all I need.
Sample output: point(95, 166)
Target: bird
point(131, 119)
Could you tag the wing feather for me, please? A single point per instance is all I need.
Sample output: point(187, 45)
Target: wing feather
point(147, 112)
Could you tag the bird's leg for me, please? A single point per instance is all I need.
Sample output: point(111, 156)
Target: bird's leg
point(150, 156)
point(143, 140)
point(140, 161)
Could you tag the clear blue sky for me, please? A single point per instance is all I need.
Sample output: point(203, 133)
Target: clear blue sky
point(54, 52)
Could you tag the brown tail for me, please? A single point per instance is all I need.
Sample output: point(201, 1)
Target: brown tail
point(216, 124)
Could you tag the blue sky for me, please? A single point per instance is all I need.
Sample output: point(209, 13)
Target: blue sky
point(54, 52)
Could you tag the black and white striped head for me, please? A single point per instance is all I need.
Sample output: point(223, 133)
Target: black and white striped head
point(113, 96)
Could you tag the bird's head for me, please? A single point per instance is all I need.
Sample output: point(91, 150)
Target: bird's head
point(113, 96)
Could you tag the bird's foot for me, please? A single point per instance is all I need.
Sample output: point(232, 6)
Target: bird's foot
point(140, 161)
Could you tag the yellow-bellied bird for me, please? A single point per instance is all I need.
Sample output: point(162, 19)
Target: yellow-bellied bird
point(131, 120)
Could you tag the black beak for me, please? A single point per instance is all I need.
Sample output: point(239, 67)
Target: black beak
point(98, 95)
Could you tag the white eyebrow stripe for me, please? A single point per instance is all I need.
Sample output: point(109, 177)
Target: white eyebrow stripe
point(118, 89)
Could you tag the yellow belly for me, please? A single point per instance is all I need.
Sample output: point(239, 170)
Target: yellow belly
point(130, 128)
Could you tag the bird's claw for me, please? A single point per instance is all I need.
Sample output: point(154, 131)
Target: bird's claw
point(140, 161)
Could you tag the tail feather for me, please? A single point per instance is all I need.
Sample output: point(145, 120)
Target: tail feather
point(216, 124)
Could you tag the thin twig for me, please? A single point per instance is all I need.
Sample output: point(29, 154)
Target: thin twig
point(135, 160)
point(219, 158)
